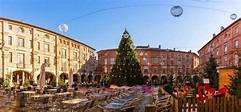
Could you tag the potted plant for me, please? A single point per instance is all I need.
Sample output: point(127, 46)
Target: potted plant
point(63, 85)
point(27, 84)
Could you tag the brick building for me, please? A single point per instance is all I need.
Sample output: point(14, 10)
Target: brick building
point(224, 46)
point(153, 61)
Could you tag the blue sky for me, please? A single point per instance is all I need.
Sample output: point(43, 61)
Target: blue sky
point(148, 21)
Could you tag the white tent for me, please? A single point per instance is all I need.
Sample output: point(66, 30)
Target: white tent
point(41, 81)
point(70, 78)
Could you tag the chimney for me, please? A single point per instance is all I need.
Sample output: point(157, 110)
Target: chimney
point(148, 46)
point(159, 46)
point(174, 49)
point(190, 50)
point(214, 35)
point(222, 28)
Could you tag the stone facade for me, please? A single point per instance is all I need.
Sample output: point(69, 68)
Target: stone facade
point(25, 47)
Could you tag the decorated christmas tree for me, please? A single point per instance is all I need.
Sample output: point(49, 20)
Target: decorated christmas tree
point(126, 70)
point(234, 86)
point(210, 72)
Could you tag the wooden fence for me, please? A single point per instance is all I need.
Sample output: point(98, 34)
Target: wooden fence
point(220, 104)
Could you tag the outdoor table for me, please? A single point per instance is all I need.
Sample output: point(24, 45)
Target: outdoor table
point(73, 102)
point(65, 93)
point(115, 106)
point(52, 90)
point(27, 94)
point(126, 98)
point(98, 94)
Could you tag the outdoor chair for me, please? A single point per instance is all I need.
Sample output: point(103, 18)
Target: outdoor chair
point(164, 108)
point(82, 106)
point(128, 109)
point(60, 107)
point(94, 109)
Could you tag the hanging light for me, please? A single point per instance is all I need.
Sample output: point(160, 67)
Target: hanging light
point(176, 11)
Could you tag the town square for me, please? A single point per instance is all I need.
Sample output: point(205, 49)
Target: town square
point(120, 56)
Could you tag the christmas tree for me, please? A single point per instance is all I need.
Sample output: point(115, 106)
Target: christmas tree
point(126, 70)
point(210, 71)
point(234, 87)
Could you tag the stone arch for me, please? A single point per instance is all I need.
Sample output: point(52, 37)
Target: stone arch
point(49, 77)
point(19, 77)
point(163, 79)
point(64, 76)
point(76, 78)
point(83, 78)
point(97, 78)
point(146, 78)
point(89, 78)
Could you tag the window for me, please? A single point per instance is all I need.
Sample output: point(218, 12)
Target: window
point(145, 60)
point(38, 59)
point(172, 55)
point(38, 44)
point(9, 40)
point(105, 62)
point(112, 54)
point(105, 69)
point(20, 59)
point(155, 69)
point(217, 52)
point(10, 27)
point(179, 55)
point(146, 54)
point(163, 62)
point(236, 44)
point(20, 30)
point(75, 56)
point(75, 67)
point(163, 54)
point(112, 61)
point(179, 71)
point(64, 66)
point(225, 48)
point(163, 70)
point(46, 47)
point(63, 53)
point(10, 57)
point(155, 60)
point(236, 30)
point(225, 61)
point(30, 44)
point(46, 60)
point(172, 62)
point(20, 42)
point(187, 62)
point(30, 31)
point(187, 71)
point(46, 36)
point(155, 53)
point(225, 36)
point(172, 70)
point(83, 56)
point(179, 62)
point(236, 59)
point(187, 56)
point(145, 70)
